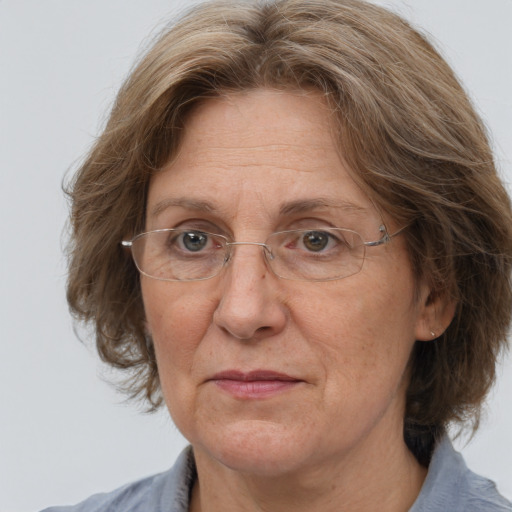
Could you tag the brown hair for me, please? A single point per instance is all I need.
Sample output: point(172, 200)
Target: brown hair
point(407, 130)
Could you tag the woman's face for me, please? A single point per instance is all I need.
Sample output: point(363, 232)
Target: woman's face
point(262, 374)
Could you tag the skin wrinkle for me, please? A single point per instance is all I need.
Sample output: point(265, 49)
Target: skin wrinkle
point(313, 206)
point(343, 419)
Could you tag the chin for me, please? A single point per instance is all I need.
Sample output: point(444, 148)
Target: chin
point(257, 447)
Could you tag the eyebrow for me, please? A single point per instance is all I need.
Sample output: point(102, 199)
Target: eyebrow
point(290, 208)
point(306, 205)
point(182, 202)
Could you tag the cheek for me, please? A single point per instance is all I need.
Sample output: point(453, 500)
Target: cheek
point(358, 331)
point(177, 321)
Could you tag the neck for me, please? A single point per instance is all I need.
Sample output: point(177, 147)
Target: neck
point(385, 477)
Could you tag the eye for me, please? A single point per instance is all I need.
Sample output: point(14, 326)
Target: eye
point(189, 243)
point(315, 241)
point(193, 241)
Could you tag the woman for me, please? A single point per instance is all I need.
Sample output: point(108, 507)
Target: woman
point(292, 232)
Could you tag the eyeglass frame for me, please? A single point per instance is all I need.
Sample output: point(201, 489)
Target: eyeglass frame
point(386, 238)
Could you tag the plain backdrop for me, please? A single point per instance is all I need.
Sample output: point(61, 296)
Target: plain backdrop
point(64, 432)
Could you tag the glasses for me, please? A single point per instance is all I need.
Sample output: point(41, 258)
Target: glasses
point(319, 254)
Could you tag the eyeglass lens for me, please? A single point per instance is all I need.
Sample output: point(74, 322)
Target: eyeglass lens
point(313, 254)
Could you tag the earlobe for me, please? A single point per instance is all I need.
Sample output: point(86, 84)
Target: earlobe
point(435, 315)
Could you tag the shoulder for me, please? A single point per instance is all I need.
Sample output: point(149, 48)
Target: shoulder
point(483, 496)
point(450, 485)
point(167, 491)
point(127, 498)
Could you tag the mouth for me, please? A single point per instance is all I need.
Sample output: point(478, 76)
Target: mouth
point(255, 384)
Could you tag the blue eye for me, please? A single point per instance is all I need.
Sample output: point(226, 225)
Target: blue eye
point(194, 241)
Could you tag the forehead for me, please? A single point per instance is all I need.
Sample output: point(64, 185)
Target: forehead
point(262, 150)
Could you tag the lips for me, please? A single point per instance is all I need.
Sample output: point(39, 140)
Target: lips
point(256, 375)
point(255, 384)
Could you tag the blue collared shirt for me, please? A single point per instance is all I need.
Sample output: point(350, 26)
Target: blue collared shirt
point(449, 487)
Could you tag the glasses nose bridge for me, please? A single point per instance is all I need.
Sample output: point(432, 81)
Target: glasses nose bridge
point(266, 249)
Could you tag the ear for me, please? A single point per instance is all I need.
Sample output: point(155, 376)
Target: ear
point(435, 313)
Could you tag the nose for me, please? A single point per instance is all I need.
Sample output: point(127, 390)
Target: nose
point(250, 305)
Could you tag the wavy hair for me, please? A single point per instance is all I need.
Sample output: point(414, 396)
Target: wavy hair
point(407, 130)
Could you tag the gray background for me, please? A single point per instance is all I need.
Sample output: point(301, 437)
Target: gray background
point(64, 433)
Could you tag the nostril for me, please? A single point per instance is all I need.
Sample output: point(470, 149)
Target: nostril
point(261, 332)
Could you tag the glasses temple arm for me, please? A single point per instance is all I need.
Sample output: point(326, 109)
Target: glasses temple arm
point(386, 237)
